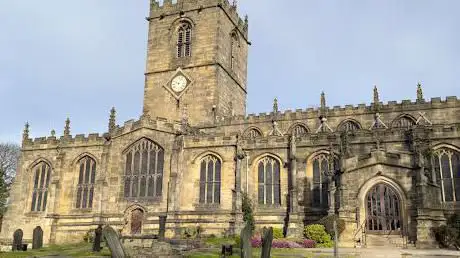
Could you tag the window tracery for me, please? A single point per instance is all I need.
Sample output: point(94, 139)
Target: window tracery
point(210, 180)
point(403, 122)
point(269, 192)
point(86, 182)
point(349, 126)
point(42, 174)
point(144, 171)
point(299, 130)
point(253, 133)
point(184, 40)
point(447, 169)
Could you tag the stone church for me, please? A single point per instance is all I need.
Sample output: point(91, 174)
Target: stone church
point(384, 168)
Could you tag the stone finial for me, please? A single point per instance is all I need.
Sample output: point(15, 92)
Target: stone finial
point(419, 92)
point(67, 127)
point(53, 133)
point(235, 3)
point(112, 119)
point(323, 100)
point(25, 134)
point(275, 106)
point(376, 95)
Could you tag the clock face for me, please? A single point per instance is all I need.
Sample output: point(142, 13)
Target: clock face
point(179, 83)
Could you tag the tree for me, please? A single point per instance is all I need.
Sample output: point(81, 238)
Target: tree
point(9, 156)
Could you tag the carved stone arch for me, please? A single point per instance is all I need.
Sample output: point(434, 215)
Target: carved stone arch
point(135, 217)
point(255, 159)
point(200, 156)
point(38, 161)
point(253, 133)
point(293, 129)
point(234, 34)
point(130, 145)
point(348, 125)
point(404, 121)
point(312, 155)
point(446, 146)
point(83, 155)
point(174, 27)
point(370, 184)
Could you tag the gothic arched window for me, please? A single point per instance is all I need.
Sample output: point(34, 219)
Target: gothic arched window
point(403, 122)
point(234, 51)
point(447, 169)
point(184, 40)
point(321, 168)
point(42, 174)
point(86, 179)
point(253, 133)
point(269, 181)
point(349, 126)
point(299, 130)
point(144, 171)
point(210, 176)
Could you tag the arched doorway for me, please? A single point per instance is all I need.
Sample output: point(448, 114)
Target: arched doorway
point(137, 216)
point(383, 210)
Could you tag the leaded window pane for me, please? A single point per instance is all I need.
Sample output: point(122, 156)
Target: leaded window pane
point(269, 181)
point(203, 181)
point(448, 191)
point(85, 187)
point(40, 187)
point(91, 193)
point(146, 179)
point(445, 163)
point(210, 176)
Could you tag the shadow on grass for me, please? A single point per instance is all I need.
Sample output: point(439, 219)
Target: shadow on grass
point(74, 250)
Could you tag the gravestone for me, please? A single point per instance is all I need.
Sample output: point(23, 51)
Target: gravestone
point(245, 245)
point(17, 240)
point(267, 239)
point(97, 239)
point(37, 238)
point(113, 241)
point(161, 233)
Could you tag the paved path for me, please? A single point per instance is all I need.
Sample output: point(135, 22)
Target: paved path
point(387, 252)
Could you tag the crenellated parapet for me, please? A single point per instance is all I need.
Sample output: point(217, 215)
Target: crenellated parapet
point(347, 110)
point(168, 8)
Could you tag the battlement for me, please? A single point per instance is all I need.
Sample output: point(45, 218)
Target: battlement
point(181, 7)
point(49, 142)
point(347, 110)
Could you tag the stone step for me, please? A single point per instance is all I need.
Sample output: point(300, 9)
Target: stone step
point(384, 241)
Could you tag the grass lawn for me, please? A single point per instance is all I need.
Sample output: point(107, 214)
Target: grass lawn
point(275, 253)
point(75, 250)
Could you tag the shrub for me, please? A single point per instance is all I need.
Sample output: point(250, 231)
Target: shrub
point(256, 242)
point(307, 243)
point(248, 215)
point(449, 235)
point(277, 243)
point(278, 233)
point(89, 236)
point(328, 223)
point(318, 234)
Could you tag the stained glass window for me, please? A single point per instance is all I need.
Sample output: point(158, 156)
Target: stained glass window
point(447, 169)
point(210, 176)
point(86, 181)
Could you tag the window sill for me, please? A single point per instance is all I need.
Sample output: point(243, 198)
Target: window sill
point(207, 206)
point(158, 199)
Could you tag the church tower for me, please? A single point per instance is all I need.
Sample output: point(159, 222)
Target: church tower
point(196, 61)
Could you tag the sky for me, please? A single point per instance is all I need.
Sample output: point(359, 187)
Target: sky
point(77, 59)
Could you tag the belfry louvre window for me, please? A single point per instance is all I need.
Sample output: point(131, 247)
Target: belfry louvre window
point(42, 174)
point(447, 169)
point(86, 179)
point(210, 176)
point(144, 171)
point(321, 181)
point(184, 40)
point(269, 181)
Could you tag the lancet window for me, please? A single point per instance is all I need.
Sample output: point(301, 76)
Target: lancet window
point(210, 180)
point(269, 192)
point(86, 180)
point(42, 174)
point(447, 168)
